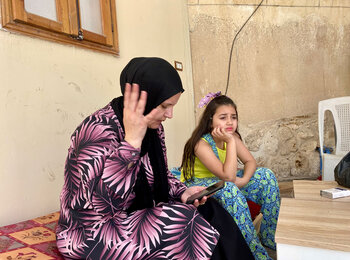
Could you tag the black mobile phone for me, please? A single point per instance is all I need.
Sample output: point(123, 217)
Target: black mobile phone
point(208, 191)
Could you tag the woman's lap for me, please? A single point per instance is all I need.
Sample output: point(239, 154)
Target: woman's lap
point(261, 189)
point(164, 224)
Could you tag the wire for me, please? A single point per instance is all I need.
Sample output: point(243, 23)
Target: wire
point(233, 42)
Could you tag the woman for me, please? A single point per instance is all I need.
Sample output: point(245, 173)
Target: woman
point(119, 201)
point(211, 154)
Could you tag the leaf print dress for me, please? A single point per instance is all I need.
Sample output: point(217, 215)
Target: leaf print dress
point(100, 173)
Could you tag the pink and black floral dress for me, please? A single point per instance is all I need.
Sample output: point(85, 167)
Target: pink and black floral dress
point(100, 172)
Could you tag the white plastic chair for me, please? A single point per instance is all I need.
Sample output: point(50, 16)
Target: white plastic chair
point(340, 109)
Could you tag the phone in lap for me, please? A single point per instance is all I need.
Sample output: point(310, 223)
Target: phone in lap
point(206, 192)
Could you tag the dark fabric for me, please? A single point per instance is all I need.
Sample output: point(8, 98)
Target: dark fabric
point(155, 76)
point(231, 244)
point(342, 171)
point(161, 81)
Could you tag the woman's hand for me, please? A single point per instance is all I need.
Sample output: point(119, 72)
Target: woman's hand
point(221, 134)
point(135, 123)
point(193, 190)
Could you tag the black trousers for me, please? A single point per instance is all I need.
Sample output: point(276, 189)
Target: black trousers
point(231, 244)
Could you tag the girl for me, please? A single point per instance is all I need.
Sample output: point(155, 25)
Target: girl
point(211, 154)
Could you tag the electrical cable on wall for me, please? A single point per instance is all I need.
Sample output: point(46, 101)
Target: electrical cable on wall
point(233, 42)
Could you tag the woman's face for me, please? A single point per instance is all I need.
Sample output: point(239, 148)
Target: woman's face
point(225, 117)
point(163, 111)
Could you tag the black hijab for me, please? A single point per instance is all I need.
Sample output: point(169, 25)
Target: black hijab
point(161, 81)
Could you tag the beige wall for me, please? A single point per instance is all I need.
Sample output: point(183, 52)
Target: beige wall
point(289, 56)
point(47, 89)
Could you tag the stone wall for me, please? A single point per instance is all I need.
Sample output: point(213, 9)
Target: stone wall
point(288, 146)
point(289, 56)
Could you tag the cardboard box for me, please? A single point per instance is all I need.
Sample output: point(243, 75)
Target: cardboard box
point(335, 193)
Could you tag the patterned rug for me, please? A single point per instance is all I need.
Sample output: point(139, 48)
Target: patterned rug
point(31, 239)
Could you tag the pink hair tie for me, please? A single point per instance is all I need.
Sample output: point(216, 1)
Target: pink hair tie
point(209, 97)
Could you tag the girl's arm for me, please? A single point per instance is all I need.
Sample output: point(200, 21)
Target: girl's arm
point(247, 159)
point(225, 171)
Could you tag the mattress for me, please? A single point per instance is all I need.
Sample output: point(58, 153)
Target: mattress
point(31, 239)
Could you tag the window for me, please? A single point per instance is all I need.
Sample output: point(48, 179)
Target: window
point(86, 23)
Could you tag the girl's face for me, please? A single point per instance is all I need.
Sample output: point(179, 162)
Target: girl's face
point(225, 117)
point(163, 111)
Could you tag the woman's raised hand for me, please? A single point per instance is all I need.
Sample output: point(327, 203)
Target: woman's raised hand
point(135, 123)
point(221, 134)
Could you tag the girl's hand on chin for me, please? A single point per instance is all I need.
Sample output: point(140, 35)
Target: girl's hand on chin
point(221, 134)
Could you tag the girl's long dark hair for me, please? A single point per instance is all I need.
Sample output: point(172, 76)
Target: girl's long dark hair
point(204, 127)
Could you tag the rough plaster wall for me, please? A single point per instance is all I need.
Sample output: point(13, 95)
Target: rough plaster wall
point(290, 55)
